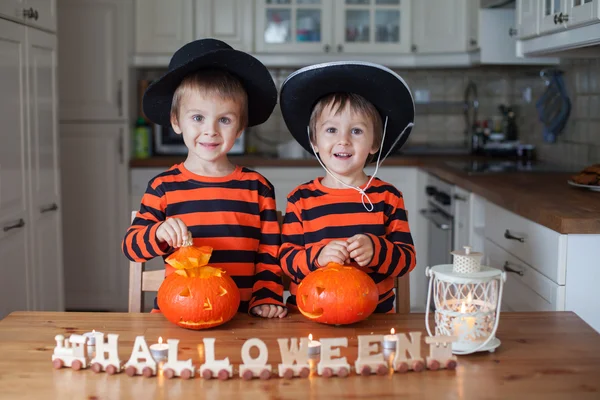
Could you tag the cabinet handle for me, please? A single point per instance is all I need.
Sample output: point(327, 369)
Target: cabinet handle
point(340, 48)
point(120, 96)
point(120, 146)
point(413, 48)
point(512, 32)
point(473, 42)
point(459, 197)
point(508, 235)
point(326, 48)
point(19, 224)
point(35, 15)
point(563, 18)
point(51, 207)
point(507, 268)
point(555, 19)
point(30, 14)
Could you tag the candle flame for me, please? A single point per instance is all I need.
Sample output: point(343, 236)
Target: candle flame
point(160, 340)
point(392, 331)
point(93, 331)
point(310, 337)
point(463, 308)
point(469, 298)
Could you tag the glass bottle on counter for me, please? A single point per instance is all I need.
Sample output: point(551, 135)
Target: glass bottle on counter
point(141, 139)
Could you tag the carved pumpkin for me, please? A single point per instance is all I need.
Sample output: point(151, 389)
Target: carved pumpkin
point(337, 295)
point(197, 296)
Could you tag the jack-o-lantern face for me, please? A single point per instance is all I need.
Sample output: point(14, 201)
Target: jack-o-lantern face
point(337, 295)
point(197, 297)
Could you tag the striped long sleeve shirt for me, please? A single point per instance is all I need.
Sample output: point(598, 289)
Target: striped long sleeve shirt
point(235, 215)
point(316, 215)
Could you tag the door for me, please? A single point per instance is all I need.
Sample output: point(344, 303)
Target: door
point(14, 169)
point(582, 12)
point(44, 14)
point(12, 9)
point(294, 26)
point(462, 218)
point(45, 184)
point(228, 20)
point(162, 27)
point(441, 26)
point(550, 15)
point(94, 179)
point(527, 19)
point(92, 56)
point(372, 26)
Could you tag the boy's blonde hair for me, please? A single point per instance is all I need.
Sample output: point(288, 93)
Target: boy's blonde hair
point(216, 82)
point(357, 104)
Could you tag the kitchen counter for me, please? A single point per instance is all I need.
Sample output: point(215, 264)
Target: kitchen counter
point(544, 198)
point(543, 355)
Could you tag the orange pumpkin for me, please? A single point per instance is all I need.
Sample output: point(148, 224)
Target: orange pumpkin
point(197, 296)
point(337, 295)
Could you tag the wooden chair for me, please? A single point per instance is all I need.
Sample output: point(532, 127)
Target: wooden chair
point(142, 281)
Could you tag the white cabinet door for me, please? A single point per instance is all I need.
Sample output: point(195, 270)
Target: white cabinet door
point(443, 26)
point(549, 15)
point(95, 217)
point(93, 64)
point(14, 251)
point(45, 183)
point(228, 20)
point(44, 14)
point(287, 179)
point(527, 18)
point(582, 12)
point(162, 27)
point(12, 9)
point(372, 26)
point(294, 26)
point(462, 218)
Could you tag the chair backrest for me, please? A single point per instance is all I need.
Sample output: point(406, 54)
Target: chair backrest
point(141, 281)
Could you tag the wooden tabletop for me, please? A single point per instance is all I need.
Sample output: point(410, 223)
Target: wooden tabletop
point(550, 355)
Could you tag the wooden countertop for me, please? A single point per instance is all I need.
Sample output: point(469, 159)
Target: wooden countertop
point(542, 197)
point(545, 354)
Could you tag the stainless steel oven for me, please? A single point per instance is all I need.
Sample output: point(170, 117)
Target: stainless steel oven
point(439, 213)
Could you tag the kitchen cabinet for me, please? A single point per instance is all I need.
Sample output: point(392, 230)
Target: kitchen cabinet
point(228, 20)
point(93, 60)
point(40, 14)
point(461, 199)
point(30, 206)
point(582, 12)
point(444, 26)
point(336, 26)
point(527, 19)
point(162, 27)
point(95, 188)
point(550, 15)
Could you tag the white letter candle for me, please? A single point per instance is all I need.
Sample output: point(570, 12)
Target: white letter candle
point(211, 367)
point(91, 337)
point(294, 360)
point(173, 366)
point(370, 359)
point(413, 348)
point(314, 346)
point(141, 361)
point(329, 366)
point(255, 367)
point(440, 352)
point(389, 341)
point(112, 363)
point(159, 350)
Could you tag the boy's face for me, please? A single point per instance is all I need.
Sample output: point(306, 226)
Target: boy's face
point(344, 140)
point(209, 124)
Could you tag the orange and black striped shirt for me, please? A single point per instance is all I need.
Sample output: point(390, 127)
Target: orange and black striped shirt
point(234, 214)
point(316, 215)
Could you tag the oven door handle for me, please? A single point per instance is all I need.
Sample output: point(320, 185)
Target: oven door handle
point(427, 213)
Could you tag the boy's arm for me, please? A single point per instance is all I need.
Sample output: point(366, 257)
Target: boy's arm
point(394, 253)
point(140, 242)
point(296, 260)
point(268, 285)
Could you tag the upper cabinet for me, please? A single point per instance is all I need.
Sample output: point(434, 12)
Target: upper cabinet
point(527, 19)
point(581, 12)
point(444, 26)
point(162, 26)
point(228, 20)
point(37, 13)
point(550, 15)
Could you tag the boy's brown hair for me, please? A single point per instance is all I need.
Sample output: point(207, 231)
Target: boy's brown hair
point(357, 104)
point(216, 82)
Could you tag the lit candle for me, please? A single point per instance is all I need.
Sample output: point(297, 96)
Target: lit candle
point(314, 346)
point(159, 350)
point(389, 341)
point(91, 339)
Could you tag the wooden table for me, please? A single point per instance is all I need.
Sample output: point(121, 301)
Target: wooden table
point(549, 355)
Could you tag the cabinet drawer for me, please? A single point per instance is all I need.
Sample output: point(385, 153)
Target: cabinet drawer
point(536, 245)
point(527, 290)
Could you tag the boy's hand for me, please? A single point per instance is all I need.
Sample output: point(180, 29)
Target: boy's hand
point(269, 311)
point(173, 231)
point(335, 251)
point(360, 248)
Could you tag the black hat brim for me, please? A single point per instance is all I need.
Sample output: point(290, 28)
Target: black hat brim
point(385, 89)
point(254, 76)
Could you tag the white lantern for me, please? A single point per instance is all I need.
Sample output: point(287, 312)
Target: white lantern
point(467, 298)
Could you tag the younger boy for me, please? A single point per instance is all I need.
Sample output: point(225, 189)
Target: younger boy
point(348, 114)
point(210, 94)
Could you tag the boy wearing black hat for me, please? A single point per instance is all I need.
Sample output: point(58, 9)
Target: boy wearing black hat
point(210, 94)
point(348, 114)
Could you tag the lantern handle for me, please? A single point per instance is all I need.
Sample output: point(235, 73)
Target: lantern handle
point(429, 273)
